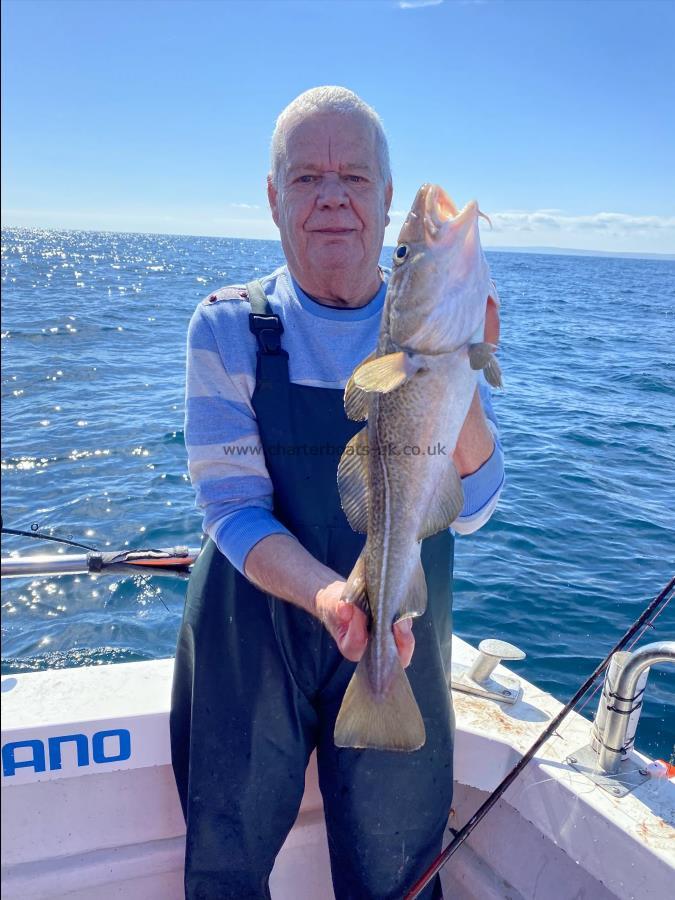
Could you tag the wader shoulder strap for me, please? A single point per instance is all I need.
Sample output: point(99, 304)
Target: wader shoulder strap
point(266, 327)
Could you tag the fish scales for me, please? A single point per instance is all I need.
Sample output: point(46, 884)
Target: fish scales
point(415, 392)
point(402, 486)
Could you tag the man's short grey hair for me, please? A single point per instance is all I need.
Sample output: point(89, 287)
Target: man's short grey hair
point(327, 99)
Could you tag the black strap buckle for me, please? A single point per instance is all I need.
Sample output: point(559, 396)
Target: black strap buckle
point(268, 330)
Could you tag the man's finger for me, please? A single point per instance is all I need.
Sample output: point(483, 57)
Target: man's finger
point(492, 322)
point(405, 641)
point(345, 611)
point(353, 642)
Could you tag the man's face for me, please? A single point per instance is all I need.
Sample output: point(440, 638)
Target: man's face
point(330, 203)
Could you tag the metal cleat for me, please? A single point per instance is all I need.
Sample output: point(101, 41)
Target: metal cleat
point(478, 679)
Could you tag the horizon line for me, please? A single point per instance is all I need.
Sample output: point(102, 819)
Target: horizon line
point(533, 249)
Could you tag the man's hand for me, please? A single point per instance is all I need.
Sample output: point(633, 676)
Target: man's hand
point(492, 322)
point(280, 565)
point(476, 443)
point(348, 625)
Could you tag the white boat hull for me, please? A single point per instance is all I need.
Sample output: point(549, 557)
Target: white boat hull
point(107, 823)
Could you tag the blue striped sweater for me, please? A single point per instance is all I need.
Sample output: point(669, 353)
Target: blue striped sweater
point(325, 344)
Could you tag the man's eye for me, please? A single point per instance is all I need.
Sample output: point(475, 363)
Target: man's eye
point(307, 179)
point(355, 179)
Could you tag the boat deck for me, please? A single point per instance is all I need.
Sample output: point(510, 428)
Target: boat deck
point(102, 817)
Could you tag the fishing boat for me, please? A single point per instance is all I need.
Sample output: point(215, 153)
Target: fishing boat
point(90, 808)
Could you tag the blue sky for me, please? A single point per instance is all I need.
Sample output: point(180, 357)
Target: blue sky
point(148, 115)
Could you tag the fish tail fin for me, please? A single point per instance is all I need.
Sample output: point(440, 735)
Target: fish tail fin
point(393, 722)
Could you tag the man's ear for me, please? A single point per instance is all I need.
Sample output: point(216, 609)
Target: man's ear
point(272, 197)
point(388, 194)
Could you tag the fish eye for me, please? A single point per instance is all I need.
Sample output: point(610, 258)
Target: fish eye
point(400, 254)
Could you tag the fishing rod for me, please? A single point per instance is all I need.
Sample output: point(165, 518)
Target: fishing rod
point(654, 608)
point(40, 535)
point(171, 561)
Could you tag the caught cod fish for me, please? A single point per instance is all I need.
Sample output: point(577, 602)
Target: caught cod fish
point(415, 391)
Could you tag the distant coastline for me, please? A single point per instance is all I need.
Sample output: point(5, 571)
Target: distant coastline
point(550, 251)
point(569, 251)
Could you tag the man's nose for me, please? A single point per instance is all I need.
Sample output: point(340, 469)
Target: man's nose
point(332, 192)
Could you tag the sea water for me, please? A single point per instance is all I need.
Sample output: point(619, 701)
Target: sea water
point(93, 346)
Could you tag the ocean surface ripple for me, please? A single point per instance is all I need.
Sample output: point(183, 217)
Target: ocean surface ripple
point(93, 342)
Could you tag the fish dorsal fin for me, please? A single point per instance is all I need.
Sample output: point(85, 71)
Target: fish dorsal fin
point(446, 504)
point(355, 589)
point(385, 373)
point(352, 476)
point(416, 599)
point(481, 356)
point(356, 399)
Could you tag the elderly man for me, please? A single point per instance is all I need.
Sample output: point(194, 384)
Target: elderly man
point(266, 648)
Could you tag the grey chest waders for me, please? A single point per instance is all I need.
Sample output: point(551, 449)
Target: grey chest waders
point(258, 683)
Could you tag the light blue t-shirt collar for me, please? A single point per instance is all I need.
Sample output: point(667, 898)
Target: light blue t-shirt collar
point(372, 308)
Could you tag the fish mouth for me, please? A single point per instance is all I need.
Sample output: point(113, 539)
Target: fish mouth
point(434, 217)
point(438, 206)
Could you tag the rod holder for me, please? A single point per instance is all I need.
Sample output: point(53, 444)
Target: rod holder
point(606, 704)
point(606, 761)
point(619, 718)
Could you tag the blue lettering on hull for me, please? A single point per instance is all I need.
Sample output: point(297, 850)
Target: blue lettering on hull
point(106, 747)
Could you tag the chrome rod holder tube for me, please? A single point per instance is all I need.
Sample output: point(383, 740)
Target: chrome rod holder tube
point(626, 700)
point(606, 704)
point(606, 760)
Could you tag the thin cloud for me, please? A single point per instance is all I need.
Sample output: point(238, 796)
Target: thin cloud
point(608, 222)
point(244, 205)
point(417, 4)
point(557, 220)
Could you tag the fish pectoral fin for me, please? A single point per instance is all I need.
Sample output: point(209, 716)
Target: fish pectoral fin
point(416, 599)
point(393, 722)
point(355, 590)
point(446, 504)
point(493, 373)
point(481, 356)
point(385, 373)
point(352, 476)
point(356, 399)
